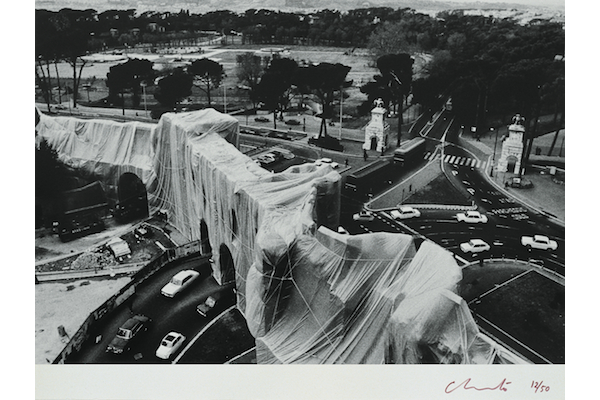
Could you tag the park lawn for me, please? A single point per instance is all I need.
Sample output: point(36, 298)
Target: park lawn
point(438, 191)
point(530, 309)
point(225, 340)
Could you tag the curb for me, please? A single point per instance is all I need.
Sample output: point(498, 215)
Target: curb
point(526, 203)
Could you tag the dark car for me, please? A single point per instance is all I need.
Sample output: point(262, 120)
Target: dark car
point(216, 302)
point(127, 333)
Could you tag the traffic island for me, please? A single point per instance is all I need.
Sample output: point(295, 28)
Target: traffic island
point(519, 305)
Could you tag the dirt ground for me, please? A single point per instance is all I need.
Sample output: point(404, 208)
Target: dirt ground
point(68, 304)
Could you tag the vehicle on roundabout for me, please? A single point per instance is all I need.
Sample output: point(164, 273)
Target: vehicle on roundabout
point(127, 333)
point(474, 246)
point(169, 345)
point(342, 230)
point(405, 212)
point(539, 242)
point(217, 301)
point(179, 282)
point(472, 217)
point(363, 216)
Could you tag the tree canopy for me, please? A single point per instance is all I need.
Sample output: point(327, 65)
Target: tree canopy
point(173, 88)
point(128, 76)
point(207, 74)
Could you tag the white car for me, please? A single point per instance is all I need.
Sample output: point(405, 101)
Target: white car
point(169, 345)
point(342, 230)
point(472, 217)
point(539, 242)
point(363, 216)
point(326, 160)
point(405, 212)
point(179, 281)
point(474, 246)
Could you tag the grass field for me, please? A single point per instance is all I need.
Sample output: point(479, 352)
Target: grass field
point(530, 308)
point(361, 63)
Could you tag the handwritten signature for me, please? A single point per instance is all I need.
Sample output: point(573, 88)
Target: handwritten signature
point(466, 386)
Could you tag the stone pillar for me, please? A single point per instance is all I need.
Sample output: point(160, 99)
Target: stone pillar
point(377, 128)
point(512, 146)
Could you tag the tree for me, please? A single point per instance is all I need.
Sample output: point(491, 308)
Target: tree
point(75, 45)
point(174, 87)
point(324, 80)
point(128, 75)
point(207, 75)
point(390, 38)
point(378, 88)
point(250, 68)
point(50, 172)
point(397, 70)
point(274, 88)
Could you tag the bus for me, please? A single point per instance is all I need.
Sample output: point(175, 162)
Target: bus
point(366, 178)
point(409, 152)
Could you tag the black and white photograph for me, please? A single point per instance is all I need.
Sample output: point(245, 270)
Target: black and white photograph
point(257, 191)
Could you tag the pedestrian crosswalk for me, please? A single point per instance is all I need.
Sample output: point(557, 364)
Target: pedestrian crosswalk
point(457, 160)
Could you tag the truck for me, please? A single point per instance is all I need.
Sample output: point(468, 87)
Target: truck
point(410, 152)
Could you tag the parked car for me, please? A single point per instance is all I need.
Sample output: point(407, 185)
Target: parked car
point(405, 212)
point(262, 119)
point(540, 242)
point(474, 246)
point(217, 301)
point(179, 282)
point(169, 345)
point(363, 216)
point(128, 332)
point(472, 217)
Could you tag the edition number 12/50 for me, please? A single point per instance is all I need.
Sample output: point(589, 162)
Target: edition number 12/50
point(539, 387)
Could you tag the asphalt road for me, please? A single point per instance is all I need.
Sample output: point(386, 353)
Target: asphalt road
point(508, 219)
point(168, 314)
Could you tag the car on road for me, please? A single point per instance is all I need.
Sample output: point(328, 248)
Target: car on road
point(179, 282)
point(326, 160)
point(169, 345)
point(216, 301)
point(127, 333)
point(342, 230)
point(363, 216)
point(539, 242)
point(472, 217)
point(405, 212)
point(474, 246)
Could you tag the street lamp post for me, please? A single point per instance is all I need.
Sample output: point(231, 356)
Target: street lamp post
point(143, 84)
point(494, 153)
point(341, 105)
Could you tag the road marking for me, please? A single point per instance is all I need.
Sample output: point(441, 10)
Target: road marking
point(452, 159)
point(473, 162)
point(195, 338)
point(447, 158)
point(515, 339)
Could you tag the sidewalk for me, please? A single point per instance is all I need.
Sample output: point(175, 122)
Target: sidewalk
point(547, 195)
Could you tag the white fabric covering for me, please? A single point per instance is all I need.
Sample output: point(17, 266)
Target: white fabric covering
point(309, 295)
